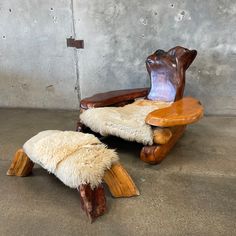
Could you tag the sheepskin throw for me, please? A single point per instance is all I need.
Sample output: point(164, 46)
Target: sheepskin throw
point(126, 122)
point(75, 158)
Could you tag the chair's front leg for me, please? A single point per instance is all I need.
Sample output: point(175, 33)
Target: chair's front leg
point(93, 201)
point(21, 164)
point(155, 154)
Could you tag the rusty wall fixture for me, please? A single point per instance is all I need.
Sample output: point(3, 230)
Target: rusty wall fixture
point(74, 43)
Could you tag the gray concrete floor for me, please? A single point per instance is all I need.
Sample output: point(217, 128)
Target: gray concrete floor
point(192, 192)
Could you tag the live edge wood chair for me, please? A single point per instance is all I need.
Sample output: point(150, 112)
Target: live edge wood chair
point(167, 74)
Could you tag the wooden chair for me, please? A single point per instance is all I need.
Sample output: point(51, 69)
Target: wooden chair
point(167, 74)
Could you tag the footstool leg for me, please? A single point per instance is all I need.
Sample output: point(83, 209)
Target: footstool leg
point(119, 182)
point(21, 164)
point(93, 201)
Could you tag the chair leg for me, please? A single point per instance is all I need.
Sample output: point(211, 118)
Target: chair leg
point(21, 164)
point(156, 154)
point(93, 201)
point(119, 182)
point(80, 127)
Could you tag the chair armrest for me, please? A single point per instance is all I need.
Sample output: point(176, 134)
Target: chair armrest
point(112, 97)
point(182, 112)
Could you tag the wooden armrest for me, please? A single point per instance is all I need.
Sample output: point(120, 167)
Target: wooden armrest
point(112, 97)
point(185, 111)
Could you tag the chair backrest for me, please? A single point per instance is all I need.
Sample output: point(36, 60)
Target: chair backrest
point(167, 73)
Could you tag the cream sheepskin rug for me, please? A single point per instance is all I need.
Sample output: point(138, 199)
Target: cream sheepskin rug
point(126, 122)
point(75, 158)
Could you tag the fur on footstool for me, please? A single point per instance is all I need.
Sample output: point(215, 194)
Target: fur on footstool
point(75, 158)
point(80, 161)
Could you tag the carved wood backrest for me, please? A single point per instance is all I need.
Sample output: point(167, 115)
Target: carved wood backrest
point(167, 73)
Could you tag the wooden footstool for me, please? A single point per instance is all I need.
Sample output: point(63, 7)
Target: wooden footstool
point(80, 161)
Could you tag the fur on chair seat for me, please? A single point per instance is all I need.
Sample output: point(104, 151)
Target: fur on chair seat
point(126, 122)
point(75, 158)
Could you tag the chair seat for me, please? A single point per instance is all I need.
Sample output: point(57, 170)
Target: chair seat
point(126, 122)
point(75, 158)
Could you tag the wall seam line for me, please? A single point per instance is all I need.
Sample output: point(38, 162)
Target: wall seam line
point(76, 54)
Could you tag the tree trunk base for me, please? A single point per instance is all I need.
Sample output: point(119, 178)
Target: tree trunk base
point(156, 154)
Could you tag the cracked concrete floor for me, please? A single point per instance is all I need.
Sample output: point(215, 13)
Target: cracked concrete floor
point(192, 192)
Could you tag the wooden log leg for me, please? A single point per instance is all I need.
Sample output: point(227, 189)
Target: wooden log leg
point(93, 201)
point(161, 135)
point(119, 182)
point(80, 127)
point(156, 153)
point(21, 164)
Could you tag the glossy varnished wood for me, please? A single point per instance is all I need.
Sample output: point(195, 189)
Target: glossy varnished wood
point(167, 73)
point(156, 154)
point(21, 164)
point(161, 135)
point(119, 182)
point(114, 98)
point(185, 111)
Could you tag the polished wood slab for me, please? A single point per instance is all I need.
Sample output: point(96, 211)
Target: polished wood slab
point(167, 73)
point(185, 111)
point(114, 98)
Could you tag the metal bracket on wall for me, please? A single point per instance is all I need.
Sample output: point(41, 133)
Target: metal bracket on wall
point(75, 43)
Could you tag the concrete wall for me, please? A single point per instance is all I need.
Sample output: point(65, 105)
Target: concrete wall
point(120, 34)
point(36, 67)
point(37, 70)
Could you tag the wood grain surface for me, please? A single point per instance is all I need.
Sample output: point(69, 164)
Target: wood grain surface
point(185, 111)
